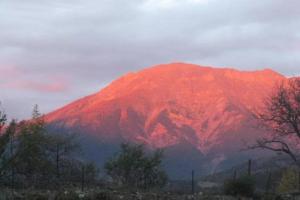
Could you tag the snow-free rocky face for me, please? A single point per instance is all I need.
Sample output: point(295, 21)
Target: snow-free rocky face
point(209, 110)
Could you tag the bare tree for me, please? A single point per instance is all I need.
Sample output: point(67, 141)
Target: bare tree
point(281, 115)
point(62, 146)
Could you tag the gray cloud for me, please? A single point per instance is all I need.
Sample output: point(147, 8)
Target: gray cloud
point(53, 52)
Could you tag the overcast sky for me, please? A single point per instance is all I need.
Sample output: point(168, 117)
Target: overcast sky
point(55, 51)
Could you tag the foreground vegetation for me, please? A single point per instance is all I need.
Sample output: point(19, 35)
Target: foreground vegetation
point(31, 157)
point(38, 164)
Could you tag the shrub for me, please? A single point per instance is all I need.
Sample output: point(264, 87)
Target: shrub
point(242, 186)
point(133, 167)
point(102, 196)
point(289, 181)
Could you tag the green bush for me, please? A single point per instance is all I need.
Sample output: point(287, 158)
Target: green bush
point(289, 181)
point(134, 168)
point(242, 186)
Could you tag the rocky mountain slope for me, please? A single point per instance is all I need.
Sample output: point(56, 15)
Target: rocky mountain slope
point(174, 106)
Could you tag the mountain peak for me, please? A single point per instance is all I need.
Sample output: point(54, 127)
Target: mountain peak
point(170, 104)
point(173, 103)
point(168, 75)
point(181, 67)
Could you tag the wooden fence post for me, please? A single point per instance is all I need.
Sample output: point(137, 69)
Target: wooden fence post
point(193, 185)
point(249, 167)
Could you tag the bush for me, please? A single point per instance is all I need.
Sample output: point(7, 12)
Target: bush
point(289, 181)
point(102, 196)
point(242, 186)
point(134, 168)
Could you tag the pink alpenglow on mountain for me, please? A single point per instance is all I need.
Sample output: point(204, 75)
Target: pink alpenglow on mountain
point(209, 109)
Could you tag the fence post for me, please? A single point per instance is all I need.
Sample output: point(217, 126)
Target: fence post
point(193, 185)
point(234, 174)
point(268, 184)
point(249, 166)
point(82, 178)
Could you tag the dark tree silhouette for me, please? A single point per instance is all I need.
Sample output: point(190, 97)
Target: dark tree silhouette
point(2, 119)
point(4, 141)
point(31, 156)
point(62, 147)
point(132, 167)
point(281, 116)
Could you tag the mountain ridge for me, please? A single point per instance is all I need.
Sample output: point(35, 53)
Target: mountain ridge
point(166, 105)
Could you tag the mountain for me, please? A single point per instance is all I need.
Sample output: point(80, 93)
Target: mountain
point(200, 115)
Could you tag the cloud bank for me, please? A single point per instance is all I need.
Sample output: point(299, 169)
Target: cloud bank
point(52, 52)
